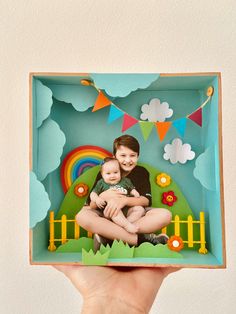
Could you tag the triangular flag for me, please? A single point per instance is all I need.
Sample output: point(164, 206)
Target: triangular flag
point(114, 114)
point(180, 125)
point(128, 122)
point(146, 128)
point(101, 102)
point(162, 129)
point(196, 116)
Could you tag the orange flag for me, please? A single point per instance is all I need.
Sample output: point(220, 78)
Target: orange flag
point(162, 129)
point(101, 102)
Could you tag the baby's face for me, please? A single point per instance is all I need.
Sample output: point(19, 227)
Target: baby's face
point(111, 172)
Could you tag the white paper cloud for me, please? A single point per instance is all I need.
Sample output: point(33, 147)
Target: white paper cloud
point(156, 111)
point(178, 152)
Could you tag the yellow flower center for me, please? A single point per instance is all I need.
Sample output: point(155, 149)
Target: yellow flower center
point(169, 198)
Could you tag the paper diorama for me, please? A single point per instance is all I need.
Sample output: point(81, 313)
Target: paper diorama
point(176, 118)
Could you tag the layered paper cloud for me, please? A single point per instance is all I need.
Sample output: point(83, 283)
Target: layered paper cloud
point(121, 85)
point(156, 111)
point(81, 97)
point(39, 201)
point(178, 152)
point(204, 170)
point(43, 100)
point(50, 148)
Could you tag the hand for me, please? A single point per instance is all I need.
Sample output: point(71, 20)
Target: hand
point(110, 194)
point(116, 290)
point(114, 206)
point(100, 202)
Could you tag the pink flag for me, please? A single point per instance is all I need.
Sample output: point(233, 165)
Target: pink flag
point(128, 122)
point(196, 116)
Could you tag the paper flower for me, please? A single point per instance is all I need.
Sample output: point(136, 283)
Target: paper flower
point(175, 243)
point(81, 189)
point(156, 111)
point(178, 152)
point(163, 179)
point(169, 198)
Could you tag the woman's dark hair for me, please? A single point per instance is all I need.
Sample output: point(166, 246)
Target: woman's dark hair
point(127, 141)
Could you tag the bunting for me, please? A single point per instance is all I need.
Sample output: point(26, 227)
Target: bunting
point(101, 102)
point(114, 114)
point(196, 116)
point(128, 122)
point(145, 126)
point(162, 129)
point(180, 125)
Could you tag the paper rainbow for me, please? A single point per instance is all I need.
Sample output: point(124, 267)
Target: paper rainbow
point(78, 160)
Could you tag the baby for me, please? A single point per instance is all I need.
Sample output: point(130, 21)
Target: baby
point(111, 179)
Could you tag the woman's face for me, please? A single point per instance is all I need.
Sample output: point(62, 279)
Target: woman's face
point(127, 158)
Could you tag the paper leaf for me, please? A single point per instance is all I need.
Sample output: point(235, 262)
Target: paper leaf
point(204, 170)
point(121, 85)
point(146, 128)
point(156, 111)
point(81, 97)
point(101, 102)
point(162, 129)
point(43, 102)
point(50, 147)
point(128, 122)
point(180, 125)
point(178, 152)
point(196, 117)
point(39, 201)
point(114, 114)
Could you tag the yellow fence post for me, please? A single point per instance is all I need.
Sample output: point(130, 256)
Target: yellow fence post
point(164, 230)
point(63, 229)
point(202, 249)
point(90, 235)
point(190, 231)
point(177, 225)
point(51, 246)
point(76, 230)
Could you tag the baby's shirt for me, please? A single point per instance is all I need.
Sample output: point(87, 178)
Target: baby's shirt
point(125, 186)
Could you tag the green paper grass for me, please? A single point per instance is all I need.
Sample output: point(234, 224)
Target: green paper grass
point(161, 251)
point(75, 246)
point(118, 250)
point(89, 258)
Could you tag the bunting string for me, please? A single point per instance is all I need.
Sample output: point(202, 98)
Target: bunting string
point(146, 127)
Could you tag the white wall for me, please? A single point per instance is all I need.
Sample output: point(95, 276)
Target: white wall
point(107, 36)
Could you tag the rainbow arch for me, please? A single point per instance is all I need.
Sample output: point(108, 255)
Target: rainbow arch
point(78, 160)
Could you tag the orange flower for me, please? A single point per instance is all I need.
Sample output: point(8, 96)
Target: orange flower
point(175, 243)
point(81, 190)
point(163, 179)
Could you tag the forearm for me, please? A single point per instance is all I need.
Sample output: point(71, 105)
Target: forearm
point(137, 201)
point(93, 196)
point(107, 305)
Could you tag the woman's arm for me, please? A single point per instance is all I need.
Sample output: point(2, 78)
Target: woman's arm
point(114, 205)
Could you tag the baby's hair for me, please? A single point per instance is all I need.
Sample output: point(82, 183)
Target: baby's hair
point(107, 159)
point(126, 141)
